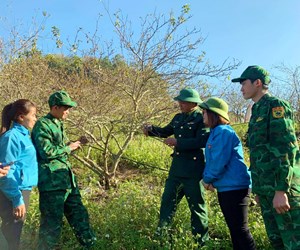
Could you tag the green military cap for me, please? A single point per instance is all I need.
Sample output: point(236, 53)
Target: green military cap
point(188, 95)
point(253, 73)
point(216, 105)
point(61, 98)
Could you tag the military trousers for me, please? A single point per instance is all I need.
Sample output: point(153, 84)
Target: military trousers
point(175, 189)
point(10, 227)
point(53, 206)
point(283, 229)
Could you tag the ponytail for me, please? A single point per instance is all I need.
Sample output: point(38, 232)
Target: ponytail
point(7, 117)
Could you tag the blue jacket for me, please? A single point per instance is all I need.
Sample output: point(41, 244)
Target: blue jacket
point(16, 146)
point(225, 167)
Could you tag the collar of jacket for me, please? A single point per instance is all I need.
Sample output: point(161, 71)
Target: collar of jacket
point(54, 119)
point(263, 98)
point(21, 128)
point(194, 112)
point(261, 101)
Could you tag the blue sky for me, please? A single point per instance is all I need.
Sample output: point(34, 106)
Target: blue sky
point(263, 32)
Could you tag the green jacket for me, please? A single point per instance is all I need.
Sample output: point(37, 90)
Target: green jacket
point(273, 147)
point(191, 135)
point(49, 139)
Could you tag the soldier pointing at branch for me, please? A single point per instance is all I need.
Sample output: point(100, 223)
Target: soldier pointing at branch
point(187, 166)
point(274, 159)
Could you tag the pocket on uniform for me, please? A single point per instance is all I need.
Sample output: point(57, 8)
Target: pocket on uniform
point(295, 186)
point(60, 179)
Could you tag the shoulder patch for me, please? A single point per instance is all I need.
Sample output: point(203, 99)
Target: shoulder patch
point(278, 112)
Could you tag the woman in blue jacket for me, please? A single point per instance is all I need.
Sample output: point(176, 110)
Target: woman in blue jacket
point(17, 151)
point(226, 171)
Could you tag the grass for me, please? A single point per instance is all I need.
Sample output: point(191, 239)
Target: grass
point(126, 217)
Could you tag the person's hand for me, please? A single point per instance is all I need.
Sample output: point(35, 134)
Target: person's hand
point(172, 142)
point(281, 202)
point(19, 212)
point(211, 187)
point(4, 170)
point(74, 145)
point(256, 198)
point(208, 186)
point(146, 128)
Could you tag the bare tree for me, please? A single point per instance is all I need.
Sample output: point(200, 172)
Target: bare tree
point(19, 39)
point(238, 106)
point(289, 81)
point(152, 66)
point(117, 93)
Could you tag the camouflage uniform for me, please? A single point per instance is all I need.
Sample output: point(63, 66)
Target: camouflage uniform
point(59, 193)
point(186, 171)
point(273, 152)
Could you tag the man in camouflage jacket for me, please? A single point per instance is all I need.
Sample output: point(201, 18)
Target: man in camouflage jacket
point(187, 166)
point(274, 159)
point(58, 190)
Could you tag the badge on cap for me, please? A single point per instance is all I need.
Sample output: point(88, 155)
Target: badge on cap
point(278, 112)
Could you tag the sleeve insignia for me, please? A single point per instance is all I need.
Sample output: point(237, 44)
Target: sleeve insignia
point(278, 112)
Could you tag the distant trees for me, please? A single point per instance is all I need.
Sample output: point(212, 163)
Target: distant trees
point(118, 92)
point(286, 84)
point(20, 40)
point(237, 104)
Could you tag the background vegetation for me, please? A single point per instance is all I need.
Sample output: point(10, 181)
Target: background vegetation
point(125, 217)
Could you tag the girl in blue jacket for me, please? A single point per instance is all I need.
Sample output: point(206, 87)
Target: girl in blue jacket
point(226, 171)
point(17, 151)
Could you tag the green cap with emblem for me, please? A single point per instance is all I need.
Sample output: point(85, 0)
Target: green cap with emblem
point(61, 98)
point(217, 106)
point(253, 73)
point(188, 95)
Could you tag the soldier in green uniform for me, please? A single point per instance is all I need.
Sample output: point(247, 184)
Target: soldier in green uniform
point(187, 166)
point(274, 159)
point(58, 189)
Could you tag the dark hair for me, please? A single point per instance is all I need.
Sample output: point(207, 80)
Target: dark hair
point(12, 111)
point(215, 119)
point(264, 85)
